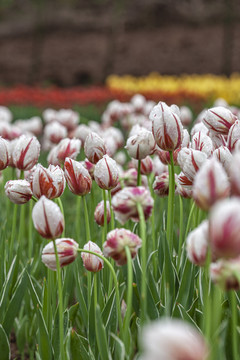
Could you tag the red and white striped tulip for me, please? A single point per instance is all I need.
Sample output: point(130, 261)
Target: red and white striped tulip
point(106, 173)
point(233, 135)
point(26, 152)
point(18, 191)
point(197, 244)
point(94, 148)
point(202, 142)
point(219, 119)
point(225, 273)
point(141, 145)
point(234, 172)
point(99, 213)
point(68, 148)
point(4, 153)
point(190, 161)
point(223, 155)
point(78, 178)
point(55, 132)
point(49, 182)
point(92, 262)
point(161, 184)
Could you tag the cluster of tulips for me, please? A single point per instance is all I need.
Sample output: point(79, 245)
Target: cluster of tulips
point(162, 269)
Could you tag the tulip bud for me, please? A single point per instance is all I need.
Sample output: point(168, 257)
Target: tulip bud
point(68, 118)
point(49, 115)
point(219, 119)
point(224, 228)
point(26, 152)
point(141, 144)
point(66, 249)
point(117, 239)
point(92, 262)
point(18, 191)
point(158, 166)
point(197, 244)
point(129, 177)
point(223, 155)
point(81, 132)
point(99, 213)
point(146, 167)
point(199, 127)
point(225, 273)
point(161, 184)
point(125, 203)
point(4, 154)
point(233, 135)
point(186, 115)
point(217, 139)
point(55, 132)
point(78, 178)
point(106, 173)
point(68, 148)
point(90, 167)
point(5, 114)
point(47, 218)
point(33, 125)
point(53, 157)
point(94, 148)
point(202, 142)
point(49, 182)
point(166, 127)
point(210, 185)
point(190, 161)
point(172, 339)
point(184, 186)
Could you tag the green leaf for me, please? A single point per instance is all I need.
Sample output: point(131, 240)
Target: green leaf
point(4, 345)
point(101, 336)
point(73, 312)
point(78, 350)
point(45, 349)
point(34, 296)
point(5, 289)
point(119, 353)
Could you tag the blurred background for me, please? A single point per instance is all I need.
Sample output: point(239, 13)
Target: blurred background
point(79, 42)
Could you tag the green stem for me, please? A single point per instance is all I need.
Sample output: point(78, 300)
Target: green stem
point(14, 223)
point(60, 304)
point(105, 214)
point(78, 218)
point(171, 197)
point(207, 315)
point(234, 323)
point(88, 238)
point(111, 210)
point(62, 211)
point(129, 299)
point(21, 229)
point(95, 290)
point(180, 230)
point(30, 228)
point(139, 180)
point(153, 233)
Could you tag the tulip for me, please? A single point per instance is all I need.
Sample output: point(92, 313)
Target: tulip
point(47, 218)
point(18, 191)
point(146, 167)
point(55, 132)
point(223, 155)
point(217, 139)
point(186, 115)
point(26, 152)
point(5, 114)
point(4, 154)
point(49, 182)
point(197, 244)
point(233, 135)
point(81, 132)
point(68, 118)
point(94, 148)
point(161, 184)
point(114, 246)
point(92, 262)
point(141, 145)
point(129, 177)
point(66, 249)
point(49, 115)
point(99, 213)
point(219, 119)
point(225, 273)
point(202, 142)
point(190, 161)
point(52, 157)
point(78, 178)
point(5, 130)
point(68, 148)
point(138, 101)
point(106, 173)
point(199, 127)
point(184, 186)
point(158, 166)
point(33, 125)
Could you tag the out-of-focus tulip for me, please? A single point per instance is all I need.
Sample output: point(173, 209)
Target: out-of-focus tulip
point(217, 139)
point(202, 142)
point(146, 167)
point(219, 119)
point(210, 184)
point(68, 118)
point(234, 173)
point(81, 132)
point(68, 148)
point(199, 127)
point(4, 154)
point(197, 244)
point(49, 115)
point(89, 166)
point(94, 148)
point(99, 213)
point(141, 145)
point(66, 249)
point(161, 184)
point(223, 155)
point(129, 177)
point(52, 157)
point(49, 182)
point(5, 130)
point(5, 114)
point(233, 135)
point(92, 262)
point(106, 173)
point(18, 191)
point(120, 158)
point(32, 125)
point(225, 273)
point(190, 161)
point(172, 339)
point(138, 101)
point(125, 203)
point(158, 166)
point(166, 127)
point(78, 178)
point(26, 152)
point(47, 218)
point(224, 228)
point(186, 115)
point(114, 246)
point(184, 186)
point(55, 132)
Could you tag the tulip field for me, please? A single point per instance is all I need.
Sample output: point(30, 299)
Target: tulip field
point(120, 231)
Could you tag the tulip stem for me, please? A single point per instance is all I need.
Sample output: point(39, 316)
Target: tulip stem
point(88, 238)
point(171, 197)
point(115, 283)
point(153, 233)
point(143, 263)
point(105, 214)
point(234, 322)
point(77, 221)
point(30, 227)
point(129, 299)
point(111, 210)
point(62, 211)
point(60, 304)
point(14, 223)
point(139, 180)
point(180, 231)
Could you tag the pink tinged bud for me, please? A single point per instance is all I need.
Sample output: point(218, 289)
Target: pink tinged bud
point(106, 173)
point(67, 250)
point(164, 156)
point(99, 213)
point(55, 132)
point(190, 161)
point(233, 135)
point(117, 239)
point(49, 182)
point(18, 191)
point(4, 154)
point(226, 273)
point(125, 203)
point(223, 155)
point(130, 178)
point(224, 228)
point(219, 119)
point(141, 144)
point(197, 244)
point(78, 178)
point(68, 148)
point(47, 218)
point(172, 339)
point(166, 127)
point(161, 185)
point(92, 262)
point(90, 167)
point(184, 186)
point(94, 148)
point(211, 184)
point(146, 165)
point(202, 142)
point(26, 152)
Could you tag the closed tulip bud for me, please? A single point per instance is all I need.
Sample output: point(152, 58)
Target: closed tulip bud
point(78, 178)
point(117, 239)
point(94, 148)
point(129, 178)
point(166, 127)
point(223, 155)
point(199, 127)
point(211, 184)
point(138, 101)
point(5, 114)
point(233, 135)
point(26, 152)
point(184, 186)
point(33, 125)
point(202, 142)
point(49, 115)
point(52, 157)
point(161, 185)
point(141, 144)
point(99, 213)
point(186, 115)
point(219, 119)
point(4, 154)
point(172, 339)
point(68, 118)
point(234, 173)
point(81, 132)
point(225, 273)
point(217, 139)
point(164, 156)
point(125, 203)
point(18, 191)
point(146, 167)
point(197, 244)
point(224, 228)
point(55, 132)
point(47, 218)
point(190, 161)
point(106, 173)
point(90, 167)
point(68, 148)
point(67, 250)
point(49, 182)
point(92, 262)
